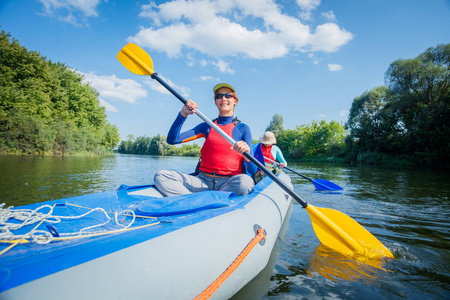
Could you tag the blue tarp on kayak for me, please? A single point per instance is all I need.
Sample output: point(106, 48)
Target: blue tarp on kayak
point(176, 205)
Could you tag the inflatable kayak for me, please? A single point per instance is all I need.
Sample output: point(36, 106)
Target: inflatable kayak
point(133, 243)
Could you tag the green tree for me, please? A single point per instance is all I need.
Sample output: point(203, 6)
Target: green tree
point(159, 146)
point(111, 136)
point(276, 125)
point(289, 141)
point(371, 123)
point(126, 147)
point(63, 114)
point(156, 145)
point(142, 145)
point(65, 137)
point(421, 100)
point(318, 139)
point(130, 138)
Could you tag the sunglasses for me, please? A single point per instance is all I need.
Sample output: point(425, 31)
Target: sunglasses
point(220, 95)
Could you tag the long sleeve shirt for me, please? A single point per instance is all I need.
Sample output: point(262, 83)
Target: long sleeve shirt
point(240, 133)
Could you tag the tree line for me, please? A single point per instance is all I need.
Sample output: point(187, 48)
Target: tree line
point(45, 108)
point(156, 145)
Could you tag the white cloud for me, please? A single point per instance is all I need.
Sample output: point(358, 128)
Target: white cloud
point(329, 37)
point(113, 88)
point(71, 11)
point(329, 15)
point(313, 57)
point(210, 78)
point(334, 67)
point(307, 6)
point(86, 7)
point(223, 66)
point(108, 106)
point(222, 28)
point(322, 116)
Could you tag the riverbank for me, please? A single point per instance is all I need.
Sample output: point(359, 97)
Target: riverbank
point(375, 159)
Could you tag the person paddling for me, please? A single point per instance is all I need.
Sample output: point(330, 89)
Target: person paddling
point(270, 150)
point(222, 167)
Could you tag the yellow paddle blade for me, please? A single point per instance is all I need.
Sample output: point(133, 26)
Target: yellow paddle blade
point(136, 60)
point(344, 235)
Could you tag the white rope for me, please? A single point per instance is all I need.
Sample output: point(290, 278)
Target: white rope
point(26, 217)
point(14, 219)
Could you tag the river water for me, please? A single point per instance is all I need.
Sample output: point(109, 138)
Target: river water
point(407, 210)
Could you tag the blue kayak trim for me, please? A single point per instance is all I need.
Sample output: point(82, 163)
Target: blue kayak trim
point(30, 261)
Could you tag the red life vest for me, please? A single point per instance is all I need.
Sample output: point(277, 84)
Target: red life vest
point(267, 152)
point(217, 155)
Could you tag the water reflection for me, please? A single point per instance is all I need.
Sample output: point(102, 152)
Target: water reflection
point(335, 266)
point(30, 179)
point(330, 265)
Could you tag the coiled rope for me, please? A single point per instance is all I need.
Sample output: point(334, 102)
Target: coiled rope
point(211, 289)
point(24, 217)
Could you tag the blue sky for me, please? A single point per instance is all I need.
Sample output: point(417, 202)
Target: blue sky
point(303, 59)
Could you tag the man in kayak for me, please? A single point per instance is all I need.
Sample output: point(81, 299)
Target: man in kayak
point(222, 167)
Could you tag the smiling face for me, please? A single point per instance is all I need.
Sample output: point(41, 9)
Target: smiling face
point(225, 105)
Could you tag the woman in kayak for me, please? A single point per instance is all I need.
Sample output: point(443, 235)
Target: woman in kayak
point(270, 150)
point(222, 167)
point(272, 155)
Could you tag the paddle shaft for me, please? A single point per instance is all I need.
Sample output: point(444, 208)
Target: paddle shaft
point(298, 173)
point(288, 169)
point(284, 186)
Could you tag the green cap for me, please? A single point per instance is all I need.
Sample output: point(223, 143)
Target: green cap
point(221, 85)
